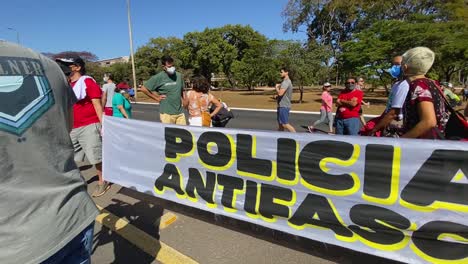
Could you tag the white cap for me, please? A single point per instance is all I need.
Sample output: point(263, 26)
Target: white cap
point(326, 84)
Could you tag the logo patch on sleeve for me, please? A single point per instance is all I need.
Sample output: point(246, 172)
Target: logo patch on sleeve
point(25, 93)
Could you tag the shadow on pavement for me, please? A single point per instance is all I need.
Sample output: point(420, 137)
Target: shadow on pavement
point(322, 250)
point(123, 250)
point(141, 214)
point(92, 179)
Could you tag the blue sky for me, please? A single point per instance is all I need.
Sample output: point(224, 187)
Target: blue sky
point(100, 26)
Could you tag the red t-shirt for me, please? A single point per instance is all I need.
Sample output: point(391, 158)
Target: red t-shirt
point(83, 111)
point(345, 112)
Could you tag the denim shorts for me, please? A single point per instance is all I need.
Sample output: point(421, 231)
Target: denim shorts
point(283, 115)
point(348, 126)
point(77, 251)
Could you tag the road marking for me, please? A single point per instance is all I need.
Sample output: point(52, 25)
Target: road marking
point(150, 245)
point(261, 110)
point(166, 220)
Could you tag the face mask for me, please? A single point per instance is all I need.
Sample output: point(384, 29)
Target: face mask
point(170, 70)
point(395, 71)
point(350, 86)
point(105, 79)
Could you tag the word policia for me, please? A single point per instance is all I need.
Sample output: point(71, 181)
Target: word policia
point(431, 188)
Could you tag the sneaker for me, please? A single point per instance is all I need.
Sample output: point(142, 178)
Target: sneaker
point(101, 189)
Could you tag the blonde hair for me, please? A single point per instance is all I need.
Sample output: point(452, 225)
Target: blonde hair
point(419, 61)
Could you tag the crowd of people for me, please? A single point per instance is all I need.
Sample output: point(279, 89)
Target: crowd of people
point(41, 186)
point(417, 106)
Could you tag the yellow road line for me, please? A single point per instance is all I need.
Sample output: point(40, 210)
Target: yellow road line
point(166, 220)
point(162, 252)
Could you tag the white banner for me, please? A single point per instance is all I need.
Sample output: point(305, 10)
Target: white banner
point(405, 200)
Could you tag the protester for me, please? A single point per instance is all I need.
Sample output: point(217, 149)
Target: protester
point(466, 111)
point(46, 215)
point(108, 93)
point(131, 94)
point(465, 93)
point(123, 85)
point(425, 112)
point(121, 105)
point(169, 84)
point(391, 121)
point(452, 98)
point(284, 92)
point(198, 101)
point(87, 119)
point(360, 85)
point(348, 104)
point(326, 110)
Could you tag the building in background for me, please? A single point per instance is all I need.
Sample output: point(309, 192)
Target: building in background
point(109, 62)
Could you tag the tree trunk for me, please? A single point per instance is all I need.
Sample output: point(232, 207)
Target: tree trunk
point(387, 92)
point(301, 90)
point(337, 81)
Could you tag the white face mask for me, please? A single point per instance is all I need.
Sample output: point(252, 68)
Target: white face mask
point(105, 79)
point(170, 70)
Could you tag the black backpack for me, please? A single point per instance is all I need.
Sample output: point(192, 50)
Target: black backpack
point(457, 126)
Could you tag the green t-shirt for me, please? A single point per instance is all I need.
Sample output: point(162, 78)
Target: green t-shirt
point(171, 86)
point(117, 100)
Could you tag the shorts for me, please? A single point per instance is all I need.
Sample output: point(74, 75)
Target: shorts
point(87, 143)
point(195, 121)
point(78, 250)
point(173, 119)
point(282, 115)
point(348, 126)
point(108, 111)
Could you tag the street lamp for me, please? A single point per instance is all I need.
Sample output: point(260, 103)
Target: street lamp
point(17, 34)
point(130, 35)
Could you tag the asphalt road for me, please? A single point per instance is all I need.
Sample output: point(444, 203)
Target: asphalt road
point(198, 234)
point(263, 120)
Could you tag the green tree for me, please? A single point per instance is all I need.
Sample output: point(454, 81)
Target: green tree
point(333, 23)
point(147, 57)
point(372, 49)
point(121, 71)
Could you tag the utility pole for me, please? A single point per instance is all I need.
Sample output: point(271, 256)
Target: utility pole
point(130, 34)
point(17, 34)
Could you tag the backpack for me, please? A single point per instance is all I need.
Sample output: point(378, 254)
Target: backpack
point(457, 126)
point(222, 117)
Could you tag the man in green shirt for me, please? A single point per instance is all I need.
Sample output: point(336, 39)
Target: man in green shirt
point(169, 85)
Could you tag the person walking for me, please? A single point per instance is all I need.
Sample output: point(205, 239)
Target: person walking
point(348, 104)
point(198, 101)
point(47, 216)
point(121, 105)
point(326, 110)
point(284, 96)
point(87, 119)
point(108, 93)
point(169, 84)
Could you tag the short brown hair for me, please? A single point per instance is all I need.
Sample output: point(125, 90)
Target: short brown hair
point(201, 84)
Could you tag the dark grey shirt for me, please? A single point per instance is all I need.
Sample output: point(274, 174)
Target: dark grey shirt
point(285, 100)
point(43, 198)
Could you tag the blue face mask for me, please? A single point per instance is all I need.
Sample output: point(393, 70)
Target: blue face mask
point(395, 71)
